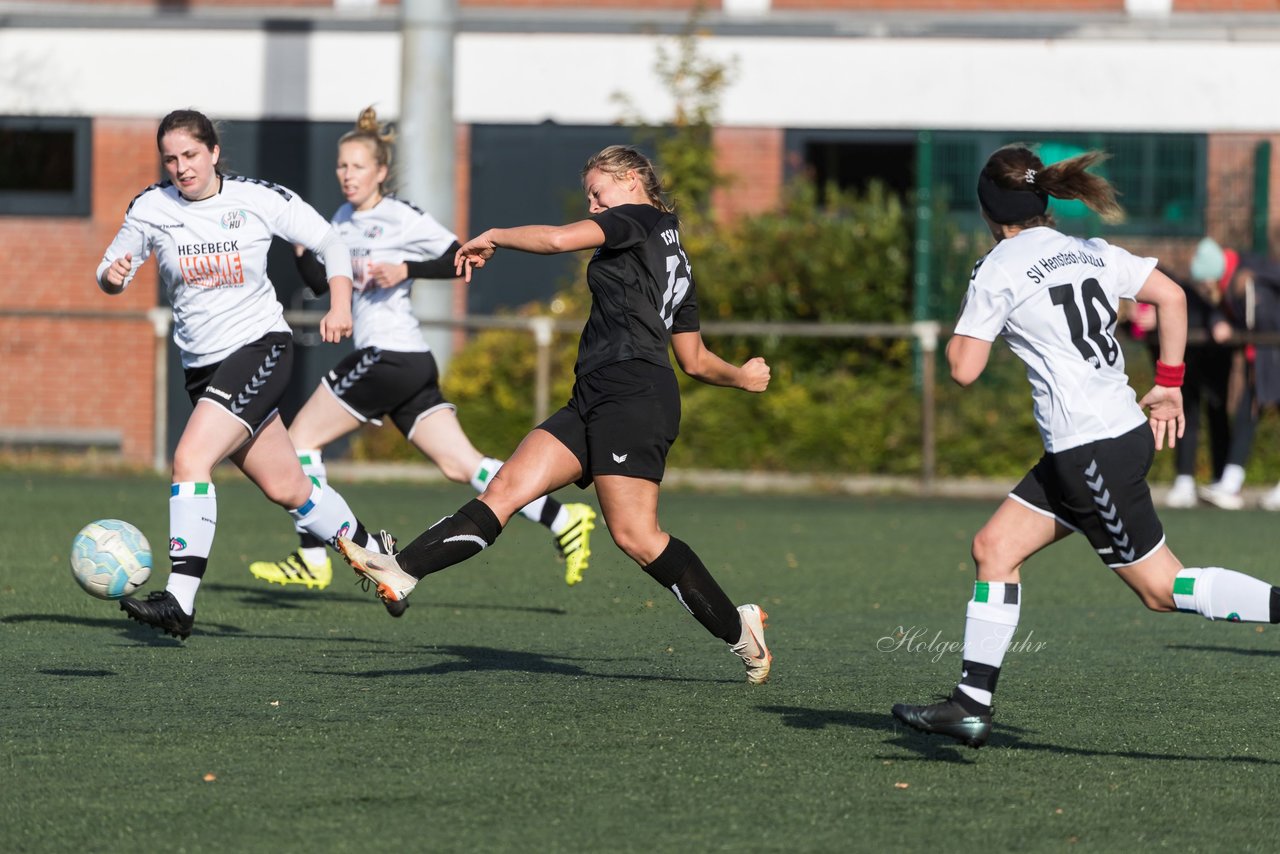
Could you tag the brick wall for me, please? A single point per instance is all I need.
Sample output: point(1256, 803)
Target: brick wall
point(751, 160)
point(953, 5)
point(1225, 6)
point(1231, 187)
point(461, 224)
point(80, 374)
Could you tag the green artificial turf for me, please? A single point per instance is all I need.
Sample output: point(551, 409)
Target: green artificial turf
point(508, 712)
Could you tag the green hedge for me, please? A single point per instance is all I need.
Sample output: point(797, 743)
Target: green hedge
point(839, 407)
point(842, 423)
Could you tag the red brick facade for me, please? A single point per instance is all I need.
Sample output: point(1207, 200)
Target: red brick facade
point(83, 375)
point(461, 218)
point(950, 5)
point(751, 160)
point(1224, 6)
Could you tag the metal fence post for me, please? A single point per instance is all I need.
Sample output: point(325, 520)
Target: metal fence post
point(160, 319)
point(1262, 198)
point(543, 330)
point(926, 332)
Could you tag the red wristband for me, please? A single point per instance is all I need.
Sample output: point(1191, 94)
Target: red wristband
point(1169, 376)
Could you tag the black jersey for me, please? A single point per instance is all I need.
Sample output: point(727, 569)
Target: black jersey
point(641, 289)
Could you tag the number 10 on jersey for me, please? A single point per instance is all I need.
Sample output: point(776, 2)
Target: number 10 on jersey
point(1090, 318)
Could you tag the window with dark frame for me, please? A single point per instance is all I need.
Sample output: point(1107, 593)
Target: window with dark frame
point(45, 166)
point(1161, 176)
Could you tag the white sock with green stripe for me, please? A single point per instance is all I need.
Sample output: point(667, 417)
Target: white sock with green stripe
point(328, 516)
point(193, 518)
point(485, 473)
point(312, 461)
point(1224, 594)
point(990, 622)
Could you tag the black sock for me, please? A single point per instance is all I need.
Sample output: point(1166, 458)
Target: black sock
point(189, 565)
point(681, 571)
point(309, 540)
point(361, 537)
point(969, 704)
point(451, 540)
point(980, 676)
point(550, 510)
point(1275, 604)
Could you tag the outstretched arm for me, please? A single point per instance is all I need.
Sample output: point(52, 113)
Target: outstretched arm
point(538, 239)
point(703, 365)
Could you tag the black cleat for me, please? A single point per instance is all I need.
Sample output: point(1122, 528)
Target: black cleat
point(395, 607)
point(947, 718)
point(160, 609)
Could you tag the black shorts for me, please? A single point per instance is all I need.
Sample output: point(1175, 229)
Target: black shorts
point(371, 383)
point(250, 382)
point(620, 419)
point(1100, 489)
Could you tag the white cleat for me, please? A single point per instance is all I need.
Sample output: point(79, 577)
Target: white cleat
point(1181, 496)
point(1270, 501)
point(391, 582)
point(1219, 497)
point(751, 647)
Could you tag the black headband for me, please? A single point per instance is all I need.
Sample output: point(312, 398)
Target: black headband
point(1010, 207)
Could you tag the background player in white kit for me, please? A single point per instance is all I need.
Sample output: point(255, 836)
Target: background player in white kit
point(210, 233)
point(1055, 299)
point(392, 371)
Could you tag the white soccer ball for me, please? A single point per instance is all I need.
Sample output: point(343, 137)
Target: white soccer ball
point(110, 558)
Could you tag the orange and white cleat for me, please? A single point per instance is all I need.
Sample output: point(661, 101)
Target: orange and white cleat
point(391, 583)
point(751, 647)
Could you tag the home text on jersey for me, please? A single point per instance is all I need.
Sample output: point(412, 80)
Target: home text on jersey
point(212, 271)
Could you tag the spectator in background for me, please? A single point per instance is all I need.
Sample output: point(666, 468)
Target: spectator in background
point(1204, 390)
point(1248, 289)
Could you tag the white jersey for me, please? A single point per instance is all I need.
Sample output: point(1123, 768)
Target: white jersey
point(391, 232)
point(212, 256)
point(1055, 299)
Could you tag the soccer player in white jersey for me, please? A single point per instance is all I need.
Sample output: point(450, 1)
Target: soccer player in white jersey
point(210, 233)
point(392, 372)
point(1055, 300)
point(624, 412)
